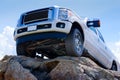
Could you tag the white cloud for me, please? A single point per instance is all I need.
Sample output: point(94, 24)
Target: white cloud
point(115, 48)
point(7, 43)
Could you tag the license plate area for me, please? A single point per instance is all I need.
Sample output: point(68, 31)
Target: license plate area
point(31, 28)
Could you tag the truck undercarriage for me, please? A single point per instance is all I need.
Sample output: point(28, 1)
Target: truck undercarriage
point(49, 47)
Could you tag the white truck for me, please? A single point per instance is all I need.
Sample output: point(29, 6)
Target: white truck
point(57, 31)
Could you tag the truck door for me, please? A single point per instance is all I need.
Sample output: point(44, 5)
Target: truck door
point(92, 41)
point(104, 54)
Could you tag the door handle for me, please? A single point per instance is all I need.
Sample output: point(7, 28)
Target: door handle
point(105, 47)
point(98, 40)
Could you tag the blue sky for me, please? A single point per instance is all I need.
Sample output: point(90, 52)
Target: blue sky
point(108, 11)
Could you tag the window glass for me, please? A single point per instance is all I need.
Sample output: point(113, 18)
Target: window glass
point(100, 36)
point(93, 29)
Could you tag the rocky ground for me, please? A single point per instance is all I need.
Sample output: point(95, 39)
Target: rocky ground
point(61, 68)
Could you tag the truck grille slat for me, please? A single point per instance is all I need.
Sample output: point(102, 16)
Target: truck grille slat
point(36, 16)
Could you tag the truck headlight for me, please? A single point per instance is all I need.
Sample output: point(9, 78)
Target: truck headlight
point(63, 14)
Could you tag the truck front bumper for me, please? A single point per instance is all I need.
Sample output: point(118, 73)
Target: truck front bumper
point(41, 36)
point(32, 30)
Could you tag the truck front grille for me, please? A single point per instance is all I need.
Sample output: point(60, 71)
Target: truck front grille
point(35, 16)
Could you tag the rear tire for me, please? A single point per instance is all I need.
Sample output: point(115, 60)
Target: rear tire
point(21, 51)
point(74, 43)
point(114, 67)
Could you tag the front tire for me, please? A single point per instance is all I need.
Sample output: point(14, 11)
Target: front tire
point(74, 43)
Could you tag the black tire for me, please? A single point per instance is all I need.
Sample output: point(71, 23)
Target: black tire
point(21, 51)
point(114, 67)
point(74, 43)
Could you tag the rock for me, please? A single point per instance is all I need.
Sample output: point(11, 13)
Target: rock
point(61, 68)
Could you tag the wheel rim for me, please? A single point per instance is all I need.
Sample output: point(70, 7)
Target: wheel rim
point(78, 43)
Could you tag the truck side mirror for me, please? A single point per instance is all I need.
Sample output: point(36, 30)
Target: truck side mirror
point(94, 23)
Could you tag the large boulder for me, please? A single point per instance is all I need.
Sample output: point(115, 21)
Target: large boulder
point(61, 68)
